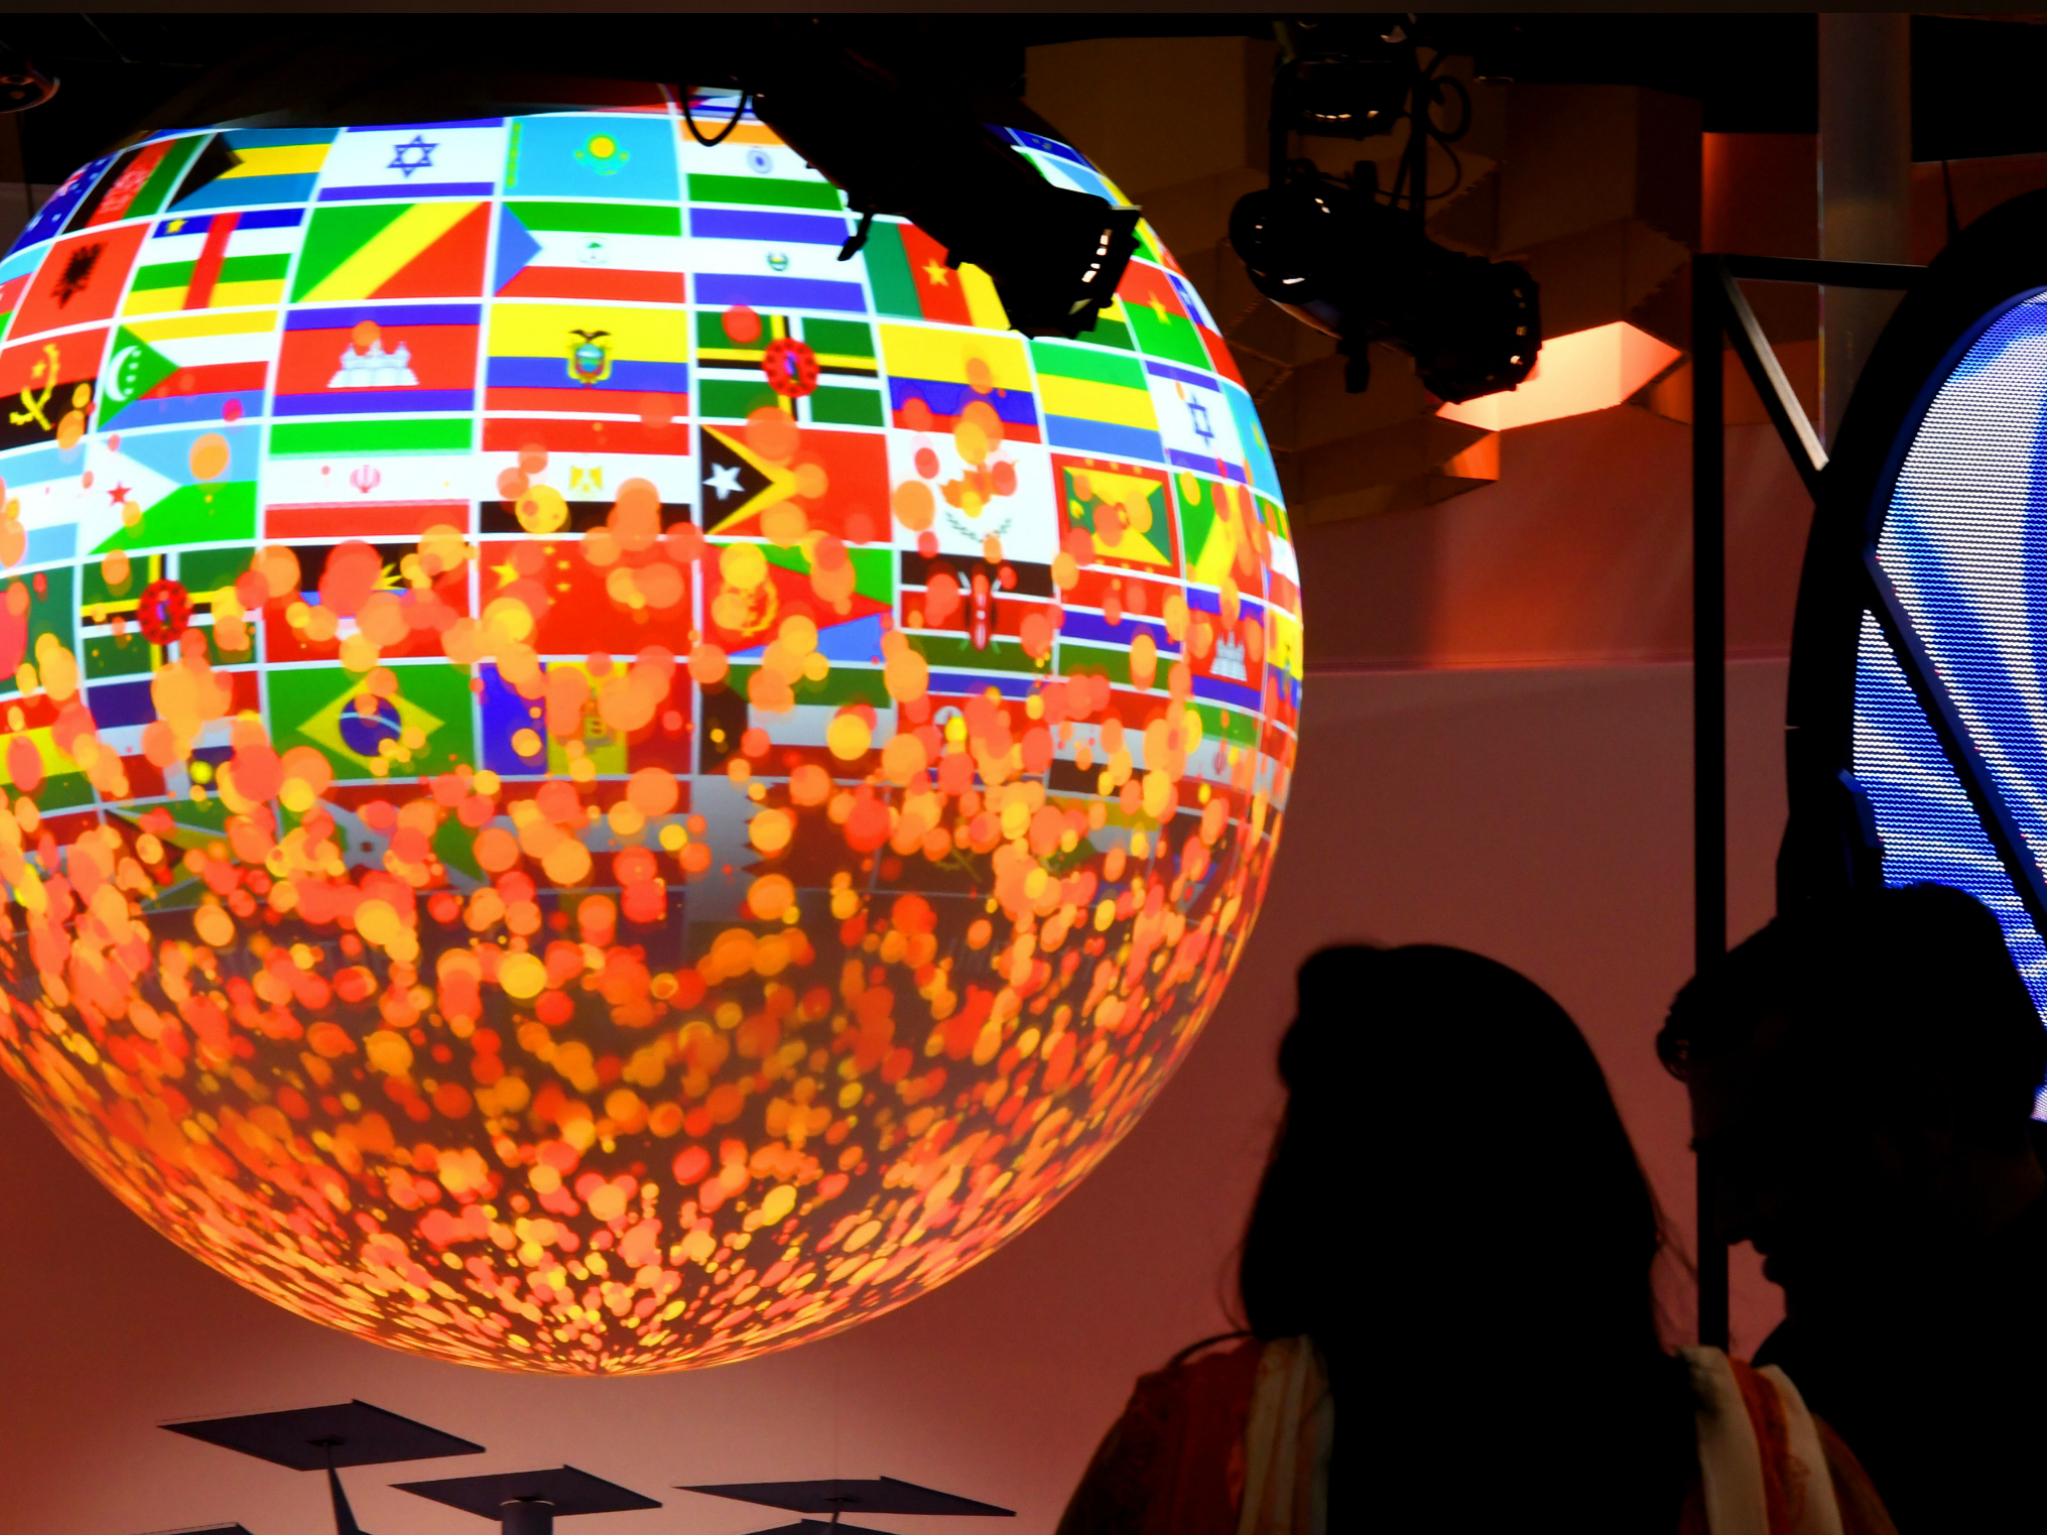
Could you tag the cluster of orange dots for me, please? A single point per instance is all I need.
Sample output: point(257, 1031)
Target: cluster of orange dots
point(556, 1072)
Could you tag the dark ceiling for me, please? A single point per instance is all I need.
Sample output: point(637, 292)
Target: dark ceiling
point(1977, 83)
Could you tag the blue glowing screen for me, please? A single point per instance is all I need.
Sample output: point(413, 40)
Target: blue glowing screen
point(1965, 542)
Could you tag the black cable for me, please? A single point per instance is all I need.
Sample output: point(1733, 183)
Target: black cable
point(1457, 175)
point(739, 111)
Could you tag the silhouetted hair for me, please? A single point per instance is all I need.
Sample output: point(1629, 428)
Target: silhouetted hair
point(1453, 1211)
point(1905, 1002)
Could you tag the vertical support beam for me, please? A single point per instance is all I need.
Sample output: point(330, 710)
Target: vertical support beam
point(1866, 168)
point(1709, 730)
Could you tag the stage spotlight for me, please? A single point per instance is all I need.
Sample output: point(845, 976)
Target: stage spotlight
point(22, 83)
point(1345, 98)
point(1055, 256)
point(1332, 254)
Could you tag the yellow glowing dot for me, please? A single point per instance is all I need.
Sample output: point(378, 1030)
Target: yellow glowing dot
point(522, 976)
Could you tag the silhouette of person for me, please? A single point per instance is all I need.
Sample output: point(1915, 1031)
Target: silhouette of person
point(1863, 1076)
point(1450, 1317)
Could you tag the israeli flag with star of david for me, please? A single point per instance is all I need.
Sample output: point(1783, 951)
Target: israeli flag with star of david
point(415, 161)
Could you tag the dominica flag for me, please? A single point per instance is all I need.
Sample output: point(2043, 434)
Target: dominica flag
point(41, 381)
point(819, 370)
point(586, 464)
point(908, 271)
point(247, 166)
point(140, 182)
point(423, 728)
point(176, 369)
point(215, 261)
point(605, 358)
point(933, 374)
point(848, 471)
point(368, 478)
point(620, 253)
point(363, 359)
point(1096, 401)
point(195, 485)
point(430, 250)
point(774, 258)
point(414, 161)
point(131, 615)
point(1126, 508)
point(283, 643)
point(744, 621)
point(591, 155)
point(569, 596)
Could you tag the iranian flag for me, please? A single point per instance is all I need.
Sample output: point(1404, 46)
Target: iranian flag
point(367, 479)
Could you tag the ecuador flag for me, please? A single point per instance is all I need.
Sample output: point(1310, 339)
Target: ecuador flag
point(587, 357)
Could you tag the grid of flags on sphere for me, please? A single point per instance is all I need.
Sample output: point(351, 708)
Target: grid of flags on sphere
point(215, 343)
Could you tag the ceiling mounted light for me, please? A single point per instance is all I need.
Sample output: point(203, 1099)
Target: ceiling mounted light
point(1358, 265)
point(1054, 255)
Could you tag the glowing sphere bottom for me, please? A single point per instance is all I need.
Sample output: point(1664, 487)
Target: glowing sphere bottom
point(589, 787)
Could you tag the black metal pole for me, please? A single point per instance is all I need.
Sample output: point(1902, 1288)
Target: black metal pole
point(526, 1517)
point(1709, 731)
point(337, 1496)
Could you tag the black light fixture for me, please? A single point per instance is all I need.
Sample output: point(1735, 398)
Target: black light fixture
point(1357, 265)
point(1054, 255)
point(23, 83)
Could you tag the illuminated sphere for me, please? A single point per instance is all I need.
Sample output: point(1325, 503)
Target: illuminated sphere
point(591, 787)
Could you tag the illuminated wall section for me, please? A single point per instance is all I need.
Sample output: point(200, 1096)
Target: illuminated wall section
point(1965, 542)
point(591, 787)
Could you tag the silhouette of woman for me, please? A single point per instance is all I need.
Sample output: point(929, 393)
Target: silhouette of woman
point(1450, 1319)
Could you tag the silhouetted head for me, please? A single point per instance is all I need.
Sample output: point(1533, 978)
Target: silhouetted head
point(1863, 1074)
point(1450, 1155)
